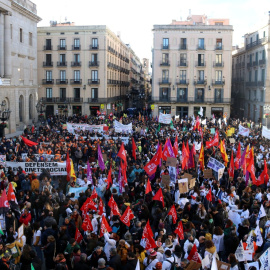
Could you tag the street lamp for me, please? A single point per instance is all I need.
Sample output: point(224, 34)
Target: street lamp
point(266, 108)
point(4, 116)
point(40, 106)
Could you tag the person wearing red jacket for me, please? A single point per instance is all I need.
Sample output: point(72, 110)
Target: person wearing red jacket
point(25, 217)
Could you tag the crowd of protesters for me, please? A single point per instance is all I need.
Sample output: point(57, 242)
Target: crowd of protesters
point(52, 215)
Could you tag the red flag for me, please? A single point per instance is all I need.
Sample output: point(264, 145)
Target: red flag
point(159, 196)
point(127, 216)
point(231, 169)
point(150, 243)
point(94, 194)
point(180, 231)
point(238, 157)
point(193, 255)
point(124, 173)
point(151, 166)
point(251, 170)
point(122, 154)
point(184, 157)
point(175, 146)
point(209, 195)
point(113, 205)
point(263, 176)
point(28, 142)
point(100, 207)
point(266, 172)
point(78, 236)
point(148, 187)
point(197, 123)
point(11, 195)
point(213, 142)
point(98, 113)
point(109, 178)
point(4, 205)
point(187, 148)
point(87, 224)
point(201, 157)
point(104, 226)
point(134, 147)
point(147, 231)
point(173, 213)
point(68, 166)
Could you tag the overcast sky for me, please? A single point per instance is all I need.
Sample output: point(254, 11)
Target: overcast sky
point(135, 19)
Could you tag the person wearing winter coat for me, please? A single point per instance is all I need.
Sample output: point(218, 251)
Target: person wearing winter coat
point(131, 262)
point(60, 262)
point(232, 260)
point(110, 243)
point(122, 250)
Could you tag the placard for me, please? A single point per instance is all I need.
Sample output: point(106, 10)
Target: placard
point(193, 266)
point(187, 175)
point(208, 173)
point(192, 183)
point(232, 140)
point(223, 265)
point(166, 179)
point(20, 231)
point(183, 185)
point(171, 161)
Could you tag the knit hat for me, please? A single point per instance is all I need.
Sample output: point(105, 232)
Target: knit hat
point(158, 266)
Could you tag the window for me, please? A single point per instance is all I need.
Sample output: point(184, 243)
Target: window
point(218, 59)
point(201, 75)
point(94, 93)
point(218, 76)
point(199, 94)
point(48, 75)
point(256, 75)
point(183, 76)
point(263, 55)
point(257, 57)
point(165, 58)
point(94, 43)
point(262, 96)
point(21, 35)
point(250, 58)
point(165, 75)
point(201, 60)
point(77, 58)
point(249, 76)
point(48, 59)
point(218, 23)
point(263, 75)
point(63, 93)
point(201, 44)
point(94, 57)
point(76, 43)
point(62, 75)
point(165, 43)
point(94, 74)
point(48, 92)
point(164, 93)
point(254, 94)
point(218, 43)
point(182, 94)
point(183, 59)
point(218, 95)
point(62, 44)
point(183, 43)
point(62, 58)
point(30, 39)
point(77, 75)
point(77, 92)
point(263, 33)
point(48, 44)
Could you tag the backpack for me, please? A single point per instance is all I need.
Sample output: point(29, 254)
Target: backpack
point(172, 263)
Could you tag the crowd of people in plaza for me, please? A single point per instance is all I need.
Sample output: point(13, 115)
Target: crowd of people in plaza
point(144, 199)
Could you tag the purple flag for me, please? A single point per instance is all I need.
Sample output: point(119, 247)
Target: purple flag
point(120, 180)
point(243, 157)
point(100, 159)
point(89, 173)
point(151, 177)
point(247, 177)
point(170, 149)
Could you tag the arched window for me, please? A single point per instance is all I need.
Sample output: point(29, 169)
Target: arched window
point(21, 108)
point(30, 107)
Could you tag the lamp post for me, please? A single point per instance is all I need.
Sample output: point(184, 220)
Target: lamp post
point(40, 106)
point(266, 108)
point(4, 116)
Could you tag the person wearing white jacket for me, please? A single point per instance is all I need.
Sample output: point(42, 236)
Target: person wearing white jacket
point(167, 263)
point(110, 243)
point(191, 241)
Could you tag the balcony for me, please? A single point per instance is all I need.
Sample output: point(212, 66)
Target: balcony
point(260, 83)
point(62, 64)
point(181, 99)
point(47, 64)
point(93, 81)
point(249, 65)
point(93, 100)
point(61, 100)
point(200, 64)
point(262, 62)
point(221, 64)
point(47, 81)
point(76, 64)
point(47, 48)
point(257, 43)
point(182, 82)
point(201, 47)
point(251, 83)
point(106, 100)
point(165, 63)
point(61, 47)
point(93, 47)
point(218, 47)
point(218, 83)
point(93, 63)
point(183, 47)
point(76, 81)
point(255, 63)
point(200, 82)
point(75, 100)
point(243, 64)
point(183, 64)
point(109, 81)
point(61, 81)
point(165, 47)
point(76, 47)
point(165, 81)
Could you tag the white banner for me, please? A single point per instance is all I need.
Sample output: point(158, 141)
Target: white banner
point(72, 127)
point(266, 133)
point(215, 165)
point(243, 131)
point(164, 118)
point(54, 168)
point(122, 128)
point(77, 191)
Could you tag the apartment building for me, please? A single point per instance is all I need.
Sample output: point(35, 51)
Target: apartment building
point(192, 67)
point(18, 61)
point(250, 76)
point(82, 69)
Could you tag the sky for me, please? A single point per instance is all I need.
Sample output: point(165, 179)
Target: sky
point(135, 19)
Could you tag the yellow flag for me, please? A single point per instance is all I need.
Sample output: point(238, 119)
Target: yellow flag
point(72, 172)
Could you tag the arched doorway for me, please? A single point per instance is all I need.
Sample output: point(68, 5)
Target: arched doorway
point(21, 105)
point(30, 107)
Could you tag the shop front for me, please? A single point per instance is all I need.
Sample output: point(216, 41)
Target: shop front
point(182, 111)
point(217, 112)
point(164, 109)
point(77, 109)
point(94, 109)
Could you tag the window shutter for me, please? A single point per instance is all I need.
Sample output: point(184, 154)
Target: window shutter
point(196, 93)
point(221, 95)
